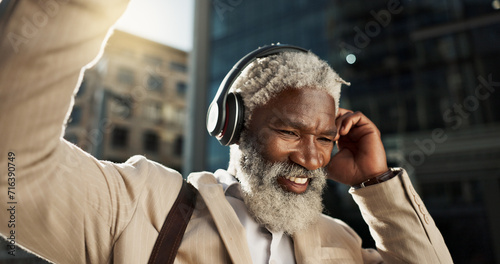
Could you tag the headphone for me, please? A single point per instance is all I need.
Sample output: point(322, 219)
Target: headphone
point(225, 116)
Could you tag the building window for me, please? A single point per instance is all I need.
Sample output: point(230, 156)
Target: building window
point(153, 60)
point(180, 116)
point(120, 106)
point(119, 137)
point(181, 88)
point(178, 66)
point(178, 145)
point(126, 76)
point(153, 111)
point(76, 116)
point(155, 82)
point(151, 141)
point(168, 113)
point(174, 115)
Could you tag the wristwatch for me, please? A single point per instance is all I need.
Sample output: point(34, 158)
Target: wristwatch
point(378, 179)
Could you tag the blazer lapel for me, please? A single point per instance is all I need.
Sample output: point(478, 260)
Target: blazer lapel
point(307, 245)
point(228, 224)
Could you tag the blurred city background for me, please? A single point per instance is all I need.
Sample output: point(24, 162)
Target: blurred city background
point(426, 72)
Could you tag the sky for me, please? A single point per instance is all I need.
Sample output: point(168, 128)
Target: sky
point(169, 22)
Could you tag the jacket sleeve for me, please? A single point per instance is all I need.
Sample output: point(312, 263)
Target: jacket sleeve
point(399, 222)
point(65, 205)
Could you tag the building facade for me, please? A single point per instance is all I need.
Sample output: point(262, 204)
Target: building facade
point(132, 102)
point(424, 71)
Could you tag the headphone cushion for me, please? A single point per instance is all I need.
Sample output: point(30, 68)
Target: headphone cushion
point(235, 115)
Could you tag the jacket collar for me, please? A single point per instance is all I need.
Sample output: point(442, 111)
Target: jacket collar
point(306, 243)
point(226, 220)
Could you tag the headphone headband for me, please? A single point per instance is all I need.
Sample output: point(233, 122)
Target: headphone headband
point(216, 116)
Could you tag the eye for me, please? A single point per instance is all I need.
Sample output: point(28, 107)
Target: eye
point(325, 139)
point(287, 132)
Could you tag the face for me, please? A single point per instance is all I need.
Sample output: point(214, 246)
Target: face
point(298, 127)
point(280, 159)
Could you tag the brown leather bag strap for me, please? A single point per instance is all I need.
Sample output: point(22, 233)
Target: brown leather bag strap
point(170, 237)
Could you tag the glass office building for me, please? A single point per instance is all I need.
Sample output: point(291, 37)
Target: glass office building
point(247, 25)
point(426, 72)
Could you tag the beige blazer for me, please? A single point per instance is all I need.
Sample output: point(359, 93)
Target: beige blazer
point(72, 208)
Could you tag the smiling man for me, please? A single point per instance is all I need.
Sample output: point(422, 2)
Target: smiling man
point(284, 156)
point(265, 208)
point(280, 160)
point(284, 148)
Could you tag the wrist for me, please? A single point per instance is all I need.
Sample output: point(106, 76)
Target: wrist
point(389, 174)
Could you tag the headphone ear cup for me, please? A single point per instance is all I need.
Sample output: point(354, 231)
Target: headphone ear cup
point(235, 115)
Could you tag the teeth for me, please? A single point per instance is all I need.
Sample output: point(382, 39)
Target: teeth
point(301, 180)
point(296, 179)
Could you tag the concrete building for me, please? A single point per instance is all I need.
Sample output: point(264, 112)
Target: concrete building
point(132, 102)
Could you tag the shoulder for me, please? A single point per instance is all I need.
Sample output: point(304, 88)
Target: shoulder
point(152, 177)
point(144, 186)
point(149, 168)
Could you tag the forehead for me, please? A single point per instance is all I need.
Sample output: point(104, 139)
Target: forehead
point(309, 106)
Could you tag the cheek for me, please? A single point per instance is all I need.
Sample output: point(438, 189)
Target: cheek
point(325, 152)
point(273, 148)
point(277, 151)
point(326, 157)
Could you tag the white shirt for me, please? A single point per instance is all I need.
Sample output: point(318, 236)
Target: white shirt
point(265, 246)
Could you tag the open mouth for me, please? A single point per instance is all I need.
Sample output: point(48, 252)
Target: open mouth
point(297, 180)
point(294, 184)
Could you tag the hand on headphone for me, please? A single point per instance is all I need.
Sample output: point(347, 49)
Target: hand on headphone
point(361, 154)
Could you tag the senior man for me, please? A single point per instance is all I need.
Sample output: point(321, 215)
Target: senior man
point(266, 208)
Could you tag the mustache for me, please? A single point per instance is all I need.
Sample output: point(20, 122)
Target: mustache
point(294, 170)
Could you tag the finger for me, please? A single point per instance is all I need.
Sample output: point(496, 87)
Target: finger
point(358, 121)
point(343, 111)
point(341, 115)
point(347, 121)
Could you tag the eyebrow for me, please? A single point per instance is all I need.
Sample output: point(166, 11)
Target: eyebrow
point(299, 125)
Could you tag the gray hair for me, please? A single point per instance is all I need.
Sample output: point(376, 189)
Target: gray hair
point(266, 77)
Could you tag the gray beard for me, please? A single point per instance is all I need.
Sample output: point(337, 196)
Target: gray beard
point(271, 206)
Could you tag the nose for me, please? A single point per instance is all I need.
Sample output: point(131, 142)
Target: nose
point(307, 154)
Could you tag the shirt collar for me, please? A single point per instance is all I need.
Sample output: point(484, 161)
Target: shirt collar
point(229, 183)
